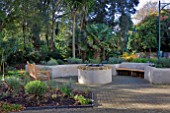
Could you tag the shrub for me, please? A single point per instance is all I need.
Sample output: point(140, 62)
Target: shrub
point(38, 88)
point(113, 60)
point(52, 62)
point(153, 60)
point(74, 61)
point(140, 60)
point(14, 83)
point(163, 63)
point(128, 56)
point(7, 107)
point(94, 61)
point(82, 99)
point(67, 88)
point(60, 62)
point(52, 84)
point(43, 62)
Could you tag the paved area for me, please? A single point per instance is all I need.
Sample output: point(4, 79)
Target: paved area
point(124, 95)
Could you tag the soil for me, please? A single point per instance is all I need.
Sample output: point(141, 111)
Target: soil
point(51, 98)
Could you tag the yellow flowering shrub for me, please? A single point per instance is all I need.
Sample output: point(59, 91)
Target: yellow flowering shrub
point(128, 56)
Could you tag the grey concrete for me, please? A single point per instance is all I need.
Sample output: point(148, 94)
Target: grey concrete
point(157, 75)
point(95, 75)
point(152, 74)
point(123, 95)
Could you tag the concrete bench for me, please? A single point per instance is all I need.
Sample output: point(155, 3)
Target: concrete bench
point(133, 72)
point(133, 69)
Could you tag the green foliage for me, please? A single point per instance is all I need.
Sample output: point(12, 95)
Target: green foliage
point(153, 60)
point(34, 56)
point(52, 62)
point(74, 61)
point(67, 88)
point(140, 60)
point(82, 99)
point(163, 63)
point(94, 61)
point(100, 39)
point(113, 60)
point(14, 83)
point(7, 107)
point(38, 88)
point(60, 62)
point(52, 84)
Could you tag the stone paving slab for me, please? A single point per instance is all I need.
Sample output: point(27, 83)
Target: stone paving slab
point(124, 95)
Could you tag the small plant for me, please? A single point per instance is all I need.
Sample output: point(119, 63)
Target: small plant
point(139, 60)
point(74, 61)
point(52, 62)
point(128, 56)
point(7, 107)
point(14, 83)
point(38, 88)
point(60, 62)
point(54, 96)
point(113, 60)
point(163, 63)
point(94, 61)
point(52, 84)
point(43, 62)
point(67, 88)
point(82, 99)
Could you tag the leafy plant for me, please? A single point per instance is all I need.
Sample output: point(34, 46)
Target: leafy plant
point(60, 62)
point(52, 62)
point(52, 84)
point(66, 88)
point(128, 56)
point(94, 61)
point(7, 107)
point(14, 83)
point(139, 60)
point(38, 88)
point(163, 63)
point(82, 99)
point(54, 96)
point(74, 61)
point(113, 60)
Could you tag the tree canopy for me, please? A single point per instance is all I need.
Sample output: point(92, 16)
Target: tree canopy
point(61, 28)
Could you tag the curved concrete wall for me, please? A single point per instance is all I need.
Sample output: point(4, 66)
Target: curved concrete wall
point(157, 75)
point(152, 74)
point(95, 77)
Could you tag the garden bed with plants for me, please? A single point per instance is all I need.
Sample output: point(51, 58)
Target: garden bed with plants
point(21, 94)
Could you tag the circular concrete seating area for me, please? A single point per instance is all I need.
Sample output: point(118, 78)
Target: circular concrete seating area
point(152, 74)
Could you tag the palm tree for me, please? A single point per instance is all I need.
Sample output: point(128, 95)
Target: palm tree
point(78, 6)
point(99, 38)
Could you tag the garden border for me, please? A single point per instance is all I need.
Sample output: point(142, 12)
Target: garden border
point(65, 106)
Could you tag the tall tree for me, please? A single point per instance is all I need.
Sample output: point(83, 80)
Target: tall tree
point(148, 9)
point(99, 39)
point(116, 14)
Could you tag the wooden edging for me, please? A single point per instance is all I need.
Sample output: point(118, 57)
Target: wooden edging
point(59, 107)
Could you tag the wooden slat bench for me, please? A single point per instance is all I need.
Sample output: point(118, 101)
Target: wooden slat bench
point(133, 72)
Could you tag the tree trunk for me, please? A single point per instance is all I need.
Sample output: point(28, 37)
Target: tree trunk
point(52, 42)
point(73, 35)
point(46, 38)
point(83, 55)
point(103, 54)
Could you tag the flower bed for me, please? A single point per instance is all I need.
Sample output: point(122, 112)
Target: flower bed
point(42, 97)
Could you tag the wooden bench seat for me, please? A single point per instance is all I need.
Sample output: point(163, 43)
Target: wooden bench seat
point(133, 72)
